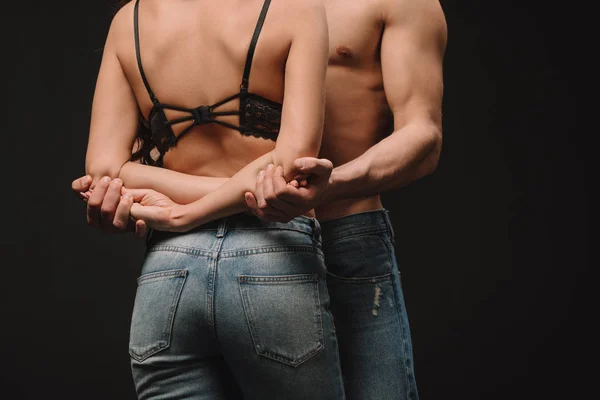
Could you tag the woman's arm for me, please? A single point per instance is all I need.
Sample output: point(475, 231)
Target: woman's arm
point(180, 187)
point(299, 136)
point(114, 120)
point(113, 129)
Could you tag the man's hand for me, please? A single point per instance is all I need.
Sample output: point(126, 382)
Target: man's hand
point(106, 207)
point(274, 199)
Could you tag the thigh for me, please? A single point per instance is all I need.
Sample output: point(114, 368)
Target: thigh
point(172, 348)
point(370, 318)
point(276, 329)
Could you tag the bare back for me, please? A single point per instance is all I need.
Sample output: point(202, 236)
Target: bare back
point(193, 53)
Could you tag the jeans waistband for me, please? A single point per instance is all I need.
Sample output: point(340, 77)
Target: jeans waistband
point(245, 221)
point(361, 223)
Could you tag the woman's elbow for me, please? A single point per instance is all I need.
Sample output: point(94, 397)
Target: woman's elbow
point(101, 168)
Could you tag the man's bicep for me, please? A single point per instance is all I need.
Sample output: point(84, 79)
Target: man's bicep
point(412, 51)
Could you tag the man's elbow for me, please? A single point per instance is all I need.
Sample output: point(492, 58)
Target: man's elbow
point(434, 144)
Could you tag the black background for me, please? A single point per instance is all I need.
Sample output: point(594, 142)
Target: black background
point(494, 248)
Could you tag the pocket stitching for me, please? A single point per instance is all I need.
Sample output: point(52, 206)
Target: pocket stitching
point(165, 340)
point(161, 274)
point(262, 280)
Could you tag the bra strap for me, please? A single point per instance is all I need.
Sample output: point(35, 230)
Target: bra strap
point(137, 52)
point(250, 56)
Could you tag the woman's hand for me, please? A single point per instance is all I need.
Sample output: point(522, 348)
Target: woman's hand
point(157, 210)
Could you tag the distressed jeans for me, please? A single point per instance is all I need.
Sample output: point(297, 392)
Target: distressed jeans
point(238, 307)
point(368, 307)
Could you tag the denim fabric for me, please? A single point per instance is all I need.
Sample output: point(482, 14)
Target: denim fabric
point(368, 307)
point(238, 307)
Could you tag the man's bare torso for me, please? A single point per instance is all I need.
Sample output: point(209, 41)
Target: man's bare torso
point(357, 115)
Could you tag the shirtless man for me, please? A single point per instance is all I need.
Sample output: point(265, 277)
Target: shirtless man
point(385, 66)
point(384, 75)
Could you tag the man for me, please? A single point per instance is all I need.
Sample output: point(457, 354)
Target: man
point(385, 65)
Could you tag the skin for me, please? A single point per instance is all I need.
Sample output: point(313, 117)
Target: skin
point(384, 74)
point(383, 114)
point(290, 60)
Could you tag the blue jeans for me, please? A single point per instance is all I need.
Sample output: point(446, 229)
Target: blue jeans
point(238, 307)
point(368, 307)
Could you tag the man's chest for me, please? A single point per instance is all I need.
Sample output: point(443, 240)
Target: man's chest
point(355, 29)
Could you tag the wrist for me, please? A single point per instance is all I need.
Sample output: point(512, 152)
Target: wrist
point(181, 218)
point(333, 187)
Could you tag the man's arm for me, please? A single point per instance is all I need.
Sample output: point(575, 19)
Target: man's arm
point(412, 51)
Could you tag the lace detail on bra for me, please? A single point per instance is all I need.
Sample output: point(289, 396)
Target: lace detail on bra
point(260, 117)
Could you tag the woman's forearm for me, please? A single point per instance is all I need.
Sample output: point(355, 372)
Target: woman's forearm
point(179, 187)
point(228, 199)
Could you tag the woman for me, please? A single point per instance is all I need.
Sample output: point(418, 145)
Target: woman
point(236, 297)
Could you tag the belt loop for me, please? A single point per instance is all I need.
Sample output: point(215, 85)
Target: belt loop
point(388, 222)
point(222, 228)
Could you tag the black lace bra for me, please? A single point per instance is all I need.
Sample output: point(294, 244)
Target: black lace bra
point(258, 117)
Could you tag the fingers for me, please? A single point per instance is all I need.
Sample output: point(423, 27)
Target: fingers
point(251, 201)
point(297, 196)
point(258, 190)
point(95, 201)
point(123, 221)
point(111, 201)
point(137, 194)
point(141, 229)
point(267, 202)
point(81, 186)
point(268, 191)
point(268, 214)
point(150, 214)
point(319, 167)
point(121, 217)
point(274, 185)
point(278, 183)
point(85, 196)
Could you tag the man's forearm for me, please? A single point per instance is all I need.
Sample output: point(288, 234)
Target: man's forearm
point(403, 157)
point(179, 187)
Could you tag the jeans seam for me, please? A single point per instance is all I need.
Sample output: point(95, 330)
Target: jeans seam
point(404, 337)
point(272, 228)
point(210, 293)
point(180, 249)
point(275, 279)
point(367, 279)
point(161, 274)
point(351, 233)
point(271, 249)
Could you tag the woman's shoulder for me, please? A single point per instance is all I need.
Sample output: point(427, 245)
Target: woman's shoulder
point(300, 14)
point(122, 21)
point(303, 7)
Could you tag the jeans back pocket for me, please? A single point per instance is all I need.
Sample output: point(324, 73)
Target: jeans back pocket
point(154, 312)
point(284, 316)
